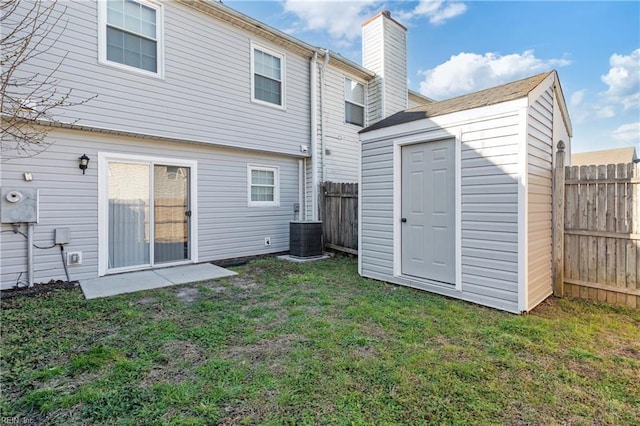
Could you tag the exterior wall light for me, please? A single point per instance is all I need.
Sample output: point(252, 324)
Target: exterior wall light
point(84, 162)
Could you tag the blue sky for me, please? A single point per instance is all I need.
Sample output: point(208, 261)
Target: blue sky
point(457, 47)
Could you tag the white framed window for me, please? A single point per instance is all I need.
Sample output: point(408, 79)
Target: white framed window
point(131, 36)
point(263, 186)
point(267, 76)
point(353, 102)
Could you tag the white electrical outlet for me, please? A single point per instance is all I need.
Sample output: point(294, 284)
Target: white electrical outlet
point(74, 258)
point(267, 241)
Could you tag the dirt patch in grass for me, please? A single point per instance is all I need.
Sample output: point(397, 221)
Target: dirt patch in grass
point(187, 295)
point(176, 364)
point(39, 289)
point(271, 352)
point(365, 352)
point(150, 300)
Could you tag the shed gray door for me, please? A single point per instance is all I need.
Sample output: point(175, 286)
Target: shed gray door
point(428, 210)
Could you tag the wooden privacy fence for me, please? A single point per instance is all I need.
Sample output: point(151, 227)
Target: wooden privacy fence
point(339, 216)
point(597, 250)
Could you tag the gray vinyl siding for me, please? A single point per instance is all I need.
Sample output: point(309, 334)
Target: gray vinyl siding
point(341, 145)
point(227, 227)
point(539, 188)
point(374, 101)
point(490, 166)
point(489, 212)
point(376, 204)
point(205, 95)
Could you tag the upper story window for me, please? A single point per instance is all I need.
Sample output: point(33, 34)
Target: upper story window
point(263, 186)
point(132, 35)
point(353, 102)
point(267, 68)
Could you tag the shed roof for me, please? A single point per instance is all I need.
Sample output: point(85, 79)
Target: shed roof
point(606, 156)
point(506, 92)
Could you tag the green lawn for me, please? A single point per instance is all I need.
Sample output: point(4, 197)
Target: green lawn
point(285, 343)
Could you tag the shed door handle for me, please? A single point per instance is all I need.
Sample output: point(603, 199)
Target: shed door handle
point(404, 219)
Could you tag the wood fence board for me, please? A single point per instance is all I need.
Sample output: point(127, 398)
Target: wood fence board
point(601, 225)
point(339, 214)
point(601, 228)
point(611, 267)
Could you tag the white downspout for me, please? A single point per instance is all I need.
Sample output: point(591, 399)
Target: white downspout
point(313, 82)
point(301, 182)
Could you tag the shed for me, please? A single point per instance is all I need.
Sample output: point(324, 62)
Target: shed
point(456, 195)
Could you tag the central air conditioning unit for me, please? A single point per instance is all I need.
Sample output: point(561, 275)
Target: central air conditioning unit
point(305, 239)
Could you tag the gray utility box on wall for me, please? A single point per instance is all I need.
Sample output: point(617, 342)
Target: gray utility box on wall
point(305, 239)
point(19, 205)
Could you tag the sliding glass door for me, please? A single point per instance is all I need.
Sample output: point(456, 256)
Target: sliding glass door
point(148, 219)
point(171, 213)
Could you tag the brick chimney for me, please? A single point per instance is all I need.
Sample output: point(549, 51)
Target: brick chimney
point(384, 51)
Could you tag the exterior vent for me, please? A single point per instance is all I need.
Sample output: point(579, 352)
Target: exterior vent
point(305, 239)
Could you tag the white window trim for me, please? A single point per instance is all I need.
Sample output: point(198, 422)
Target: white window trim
point(354, 103)
point(102, 40)
point(276, 184)
point(103, 203)
point(283, 73)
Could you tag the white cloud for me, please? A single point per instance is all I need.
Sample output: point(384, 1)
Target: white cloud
point(604, 111)
point(623, 80)
point(437, 11)
point(577, 97)
point(341, 19)
point(469, 72)
point(627, 133)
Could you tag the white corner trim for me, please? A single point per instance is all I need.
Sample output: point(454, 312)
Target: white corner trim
point(397, 208)
point(103, 229)
point(360, 254)
point(523, 178)
point(458, 209)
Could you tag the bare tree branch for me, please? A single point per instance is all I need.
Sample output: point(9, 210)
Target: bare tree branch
point(29, 29)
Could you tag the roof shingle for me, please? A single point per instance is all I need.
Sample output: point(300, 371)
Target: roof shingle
point(506, 92)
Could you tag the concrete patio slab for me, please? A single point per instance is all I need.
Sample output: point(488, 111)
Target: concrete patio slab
point(303, 259)
point(192, 273)
point(131, 282)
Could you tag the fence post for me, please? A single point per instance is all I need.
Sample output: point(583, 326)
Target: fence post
point(558, 222)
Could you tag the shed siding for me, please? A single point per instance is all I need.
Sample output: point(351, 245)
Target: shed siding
point(226, 226)
point(539, 214)
point(376, 204)
point(204, 96)
point(489, 178)
point(489, 160)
